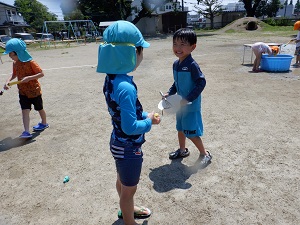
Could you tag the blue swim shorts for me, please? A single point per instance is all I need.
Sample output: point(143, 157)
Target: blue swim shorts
point(190, 123)
point(129, 170)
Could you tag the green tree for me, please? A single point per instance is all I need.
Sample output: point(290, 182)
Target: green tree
point(261, 10)
point(148, 7)
point(34, 13)
point(250, 6)
point(75, 15)
point(209, 9)
point(297, 8)
point(110, 10)
point(268, 8)
point(273, 7)
point(98, 10)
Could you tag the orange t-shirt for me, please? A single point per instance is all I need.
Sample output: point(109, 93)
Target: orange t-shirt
point(32, 88)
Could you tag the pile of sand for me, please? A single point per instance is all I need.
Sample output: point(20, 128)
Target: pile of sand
point(241, 24)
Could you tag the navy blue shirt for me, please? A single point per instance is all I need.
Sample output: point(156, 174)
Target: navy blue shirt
point(189, 81)
point(129, 121)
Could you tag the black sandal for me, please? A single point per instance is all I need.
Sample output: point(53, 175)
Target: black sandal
point(139, 214)
point(178, 154)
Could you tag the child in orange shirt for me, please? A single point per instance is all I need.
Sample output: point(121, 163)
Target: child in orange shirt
point(27, 72)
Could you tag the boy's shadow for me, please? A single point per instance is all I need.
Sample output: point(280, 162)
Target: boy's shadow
point(9, 143)
point(172, 176)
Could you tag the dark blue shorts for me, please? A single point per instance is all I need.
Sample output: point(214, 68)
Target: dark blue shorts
point(26, 103)
point(129, 170)
point(297, 51)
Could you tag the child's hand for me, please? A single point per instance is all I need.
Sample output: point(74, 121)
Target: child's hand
point(6, 87)
point(183, 102)
point(154, 117)
point(165, 95)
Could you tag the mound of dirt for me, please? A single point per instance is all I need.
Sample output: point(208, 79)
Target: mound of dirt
point(243, 24)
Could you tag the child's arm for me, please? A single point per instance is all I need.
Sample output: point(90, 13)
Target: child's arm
point(126, 97)
point(32, 77)
point(6, 86)
point(172, 90)
point(200, 83)
point(199, 87)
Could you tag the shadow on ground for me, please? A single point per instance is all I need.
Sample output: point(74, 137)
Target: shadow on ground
point(172, 176)
point(121, 222)
point(9, 143)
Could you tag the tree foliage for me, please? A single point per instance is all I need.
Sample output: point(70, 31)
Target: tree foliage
point(209, 9)
point(251, 6)
point(297, 7)
point(34, 13)
point(110, 10)
point(98, 10)
point(147, 10)
point(75, 15)
point(269, 8)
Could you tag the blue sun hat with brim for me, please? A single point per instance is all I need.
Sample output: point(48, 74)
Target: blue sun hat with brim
point(117, 55)
point(18, 46)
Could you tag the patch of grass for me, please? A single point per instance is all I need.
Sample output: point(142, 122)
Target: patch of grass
point(230, 31)
point(268, 28)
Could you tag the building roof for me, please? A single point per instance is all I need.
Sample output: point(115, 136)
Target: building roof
point(106, 23)
point(1, 3)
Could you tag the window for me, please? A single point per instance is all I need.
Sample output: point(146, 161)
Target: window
point(8, 12)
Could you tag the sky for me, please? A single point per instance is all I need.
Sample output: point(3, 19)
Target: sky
point(52, 5)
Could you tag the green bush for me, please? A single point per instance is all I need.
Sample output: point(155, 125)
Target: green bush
point(279, 22)
point(270, 21)
point(284, 22)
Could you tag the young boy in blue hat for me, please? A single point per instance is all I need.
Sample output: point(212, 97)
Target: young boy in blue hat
point(189, 82)
point(122, 53)
point(27, 71)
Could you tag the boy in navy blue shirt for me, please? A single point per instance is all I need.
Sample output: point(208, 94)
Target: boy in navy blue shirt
point(189, 83)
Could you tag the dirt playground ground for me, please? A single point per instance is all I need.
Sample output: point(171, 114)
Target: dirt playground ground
point(251, 125)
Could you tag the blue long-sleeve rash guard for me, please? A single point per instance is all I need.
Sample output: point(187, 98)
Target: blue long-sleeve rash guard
point(189, 66)
point(125, 95)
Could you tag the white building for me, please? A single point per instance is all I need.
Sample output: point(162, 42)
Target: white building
point(10, 20)
point(171, 6)
point(238, 6)
point(161, 19)
point(286, 11)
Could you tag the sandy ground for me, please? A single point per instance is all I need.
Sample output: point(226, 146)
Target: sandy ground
point(251, 128)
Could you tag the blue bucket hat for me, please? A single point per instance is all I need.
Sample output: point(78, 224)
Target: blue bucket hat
point(18, 46)
point(117, 55)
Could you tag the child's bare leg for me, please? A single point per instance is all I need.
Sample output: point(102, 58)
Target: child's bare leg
point(127, 204)
point(181, 140)
point(26, 119)
point(257, 60)
point(43, 116)
point(199, 144)
point(298, 59)
point(254, 65)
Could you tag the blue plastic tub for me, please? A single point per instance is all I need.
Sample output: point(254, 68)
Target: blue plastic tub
point(279, 63)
